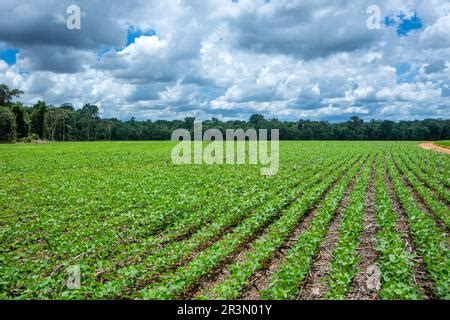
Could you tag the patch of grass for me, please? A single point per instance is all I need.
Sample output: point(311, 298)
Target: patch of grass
point(444, 143)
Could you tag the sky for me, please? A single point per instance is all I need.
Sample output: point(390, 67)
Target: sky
point(285, 59)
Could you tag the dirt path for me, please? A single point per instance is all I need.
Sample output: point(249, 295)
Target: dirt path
point(431, 146)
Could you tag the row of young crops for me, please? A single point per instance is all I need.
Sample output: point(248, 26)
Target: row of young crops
point(341, 220)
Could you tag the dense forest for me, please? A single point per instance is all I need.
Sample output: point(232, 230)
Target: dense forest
point(66, 123)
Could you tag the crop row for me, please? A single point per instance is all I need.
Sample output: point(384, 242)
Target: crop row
point(430, 241)
point(262, 249)
point(437, 207)
point(431, 180)
point(174, 284)
point(344, 265)
point(286, 282)
point(394, 259)
point(430, 165)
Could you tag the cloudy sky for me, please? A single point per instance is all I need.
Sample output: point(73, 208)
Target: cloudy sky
point(288, 59)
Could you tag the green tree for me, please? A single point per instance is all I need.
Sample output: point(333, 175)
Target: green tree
point(88, 122)
point(7, 125)
point(6, 94)
point(38, 119)
point(189, 123)
point(56, 123)
point(22, 120)
point(386, 128)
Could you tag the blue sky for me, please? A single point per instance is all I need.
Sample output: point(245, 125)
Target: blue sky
point(404, 24)
point(8, 55)
point(133, 34)
point(288, 59)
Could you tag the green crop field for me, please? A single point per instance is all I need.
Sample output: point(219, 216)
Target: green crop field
point(340, 220)
point(445, 143)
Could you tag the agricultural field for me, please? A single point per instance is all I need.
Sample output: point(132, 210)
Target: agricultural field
point(445, 143)
point(340, 220)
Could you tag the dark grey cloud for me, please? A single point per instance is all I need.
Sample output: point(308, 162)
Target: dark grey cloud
point(39, 29)
point(37, 23)
point(54, 59)
point(294, 28)
point(146, 92)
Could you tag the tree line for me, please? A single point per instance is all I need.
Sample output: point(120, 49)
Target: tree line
point(66, 123)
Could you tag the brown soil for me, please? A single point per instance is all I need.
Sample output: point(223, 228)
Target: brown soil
point(220, 272)
point(367, 282)
point(432, 146)
point(261, 278)
point(315, 286)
